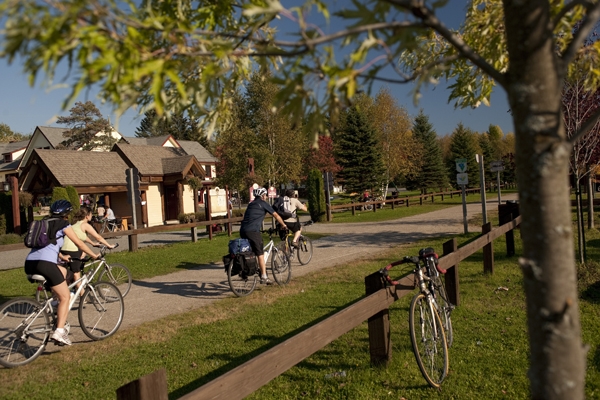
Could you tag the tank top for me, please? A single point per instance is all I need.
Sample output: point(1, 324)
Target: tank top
point(69, 245)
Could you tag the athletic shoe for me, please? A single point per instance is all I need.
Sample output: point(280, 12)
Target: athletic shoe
point(61, 339)
point(265, 281)
point(67, 327)
point(295, 245)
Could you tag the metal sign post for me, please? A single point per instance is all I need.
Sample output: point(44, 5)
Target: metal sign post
point(479, 158)
point(497, 166)
point(134, 197)
point(462, 178)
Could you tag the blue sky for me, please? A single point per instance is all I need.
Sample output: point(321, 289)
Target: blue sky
point(23, 107)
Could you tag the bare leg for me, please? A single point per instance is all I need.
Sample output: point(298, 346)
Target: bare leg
point(297, 236)
point(261, 264)
point(62, 293)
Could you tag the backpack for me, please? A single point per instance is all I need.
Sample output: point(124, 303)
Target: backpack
point(38, 234)
point(282, 206)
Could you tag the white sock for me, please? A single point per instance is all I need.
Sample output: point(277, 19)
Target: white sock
point(60, 330)
point(264, 276)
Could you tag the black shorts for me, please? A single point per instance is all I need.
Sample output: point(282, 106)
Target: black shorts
point(75, 265)
point(256, 241)
point(293, 226)
point(48, 270)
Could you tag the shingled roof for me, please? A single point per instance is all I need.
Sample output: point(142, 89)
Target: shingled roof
point(150, 141)
point(54, 135)
point(146, 158)
point(80, 168)
point(194, 148)
point(6, 148)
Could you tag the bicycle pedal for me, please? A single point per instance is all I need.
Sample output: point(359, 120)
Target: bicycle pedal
point(57, 343)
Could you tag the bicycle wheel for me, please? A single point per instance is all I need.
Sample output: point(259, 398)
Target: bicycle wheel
point(305, 250)
point(24, 331)
point(281, 265)
point(115, 228)
point(444, 308)
point(428, 340)
point(103, 228)
point(101, 310)
point(117, 274)
point(241, 285)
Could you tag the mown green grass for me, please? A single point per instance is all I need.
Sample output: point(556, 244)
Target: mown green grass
point(401, 211)
point(487, 361)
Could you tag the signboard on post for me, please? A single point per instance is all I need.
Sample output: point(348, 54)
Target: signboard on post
point(272, 192)
point(218, 202)
point(461, 165)
point(462, 179)
point(496, 166)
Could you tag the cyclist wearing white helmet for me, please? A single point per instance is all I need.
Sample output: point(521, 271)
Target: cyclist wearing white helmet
point(44, 260)
point(252, 224)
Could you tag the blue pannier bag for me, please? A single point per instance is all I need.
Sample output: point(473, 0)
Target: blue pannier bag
point(239, 246)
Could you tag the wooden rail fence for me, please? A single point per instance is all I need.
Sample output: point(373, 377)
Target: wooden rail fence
point(253, 374)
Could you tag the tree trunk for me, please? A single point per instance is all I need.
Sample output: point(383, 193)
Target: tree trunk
point(533, 84)
point(590, 199)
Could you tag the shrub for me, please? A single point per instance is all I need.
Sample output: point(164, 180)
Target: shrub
point(10, 238)
point(316, 196)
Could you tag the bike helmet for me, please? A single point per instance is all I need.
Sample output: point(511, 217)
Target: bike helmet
point(60, 208)
point(259, 192)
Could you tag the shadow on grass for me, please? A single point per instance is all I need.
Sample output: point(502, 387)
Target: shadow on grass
point(233, 362)
point(592, 293)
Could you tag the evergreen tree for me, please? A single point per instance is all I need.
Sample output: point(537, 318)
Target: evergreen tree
point(177, 125)
point(7, 135)
point(432, 174)
point(84, 123)
point(357, 152)
point(464, 145)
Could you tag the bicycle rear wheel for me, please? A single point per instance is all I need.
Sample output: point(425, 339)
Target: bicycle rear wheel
point(428, 341)
point(305, 250)
point(281, 265)
point(24, 331)
point(117, 274)
point(444, 308)
point(240, 284)
point(101, 310)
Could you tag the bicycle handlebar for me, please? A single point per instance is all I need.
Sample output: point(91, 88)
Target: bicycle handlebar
point(103, 250)
point(410, 259)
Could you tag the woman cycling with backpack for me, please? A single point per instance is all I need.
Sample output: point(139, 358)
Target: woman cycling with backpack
point(44, 261)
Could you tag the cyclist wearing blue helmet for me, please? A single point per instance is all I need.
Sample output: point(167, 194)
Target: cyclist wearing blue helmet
point(252, 224)
point(44, 261)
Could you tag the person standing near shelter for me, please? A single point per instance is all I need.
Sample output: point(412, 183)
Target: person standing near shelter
point(252, 224)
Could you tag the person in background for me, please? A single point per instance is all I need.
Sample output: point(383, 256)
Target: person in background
point(44, 260)
point(292, 223)
point(101, 211)
point(252, 224)
point(82, 229)
point(110, 216)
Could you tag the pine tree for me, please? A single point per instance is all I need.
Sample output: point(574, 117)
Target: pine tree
point(84, 123)
point(432, 174)
point(357, 152)
point(177, 125)
point(464, 145)
point(485, 145)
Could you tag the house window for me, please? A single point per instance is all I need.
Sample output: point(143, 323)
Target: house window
point(7, 158)
point(208, 171)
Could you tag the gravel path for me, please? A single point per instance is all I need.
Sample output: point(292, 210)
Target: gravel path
point(182, 291)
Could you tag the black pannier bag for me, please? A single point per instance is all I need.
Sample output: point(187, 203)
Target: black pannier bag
point(237, 267)
point(250, 263)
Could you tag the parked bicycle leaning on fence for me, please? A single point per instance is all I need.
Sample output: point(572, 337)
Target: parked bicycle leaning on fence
point(430, 325)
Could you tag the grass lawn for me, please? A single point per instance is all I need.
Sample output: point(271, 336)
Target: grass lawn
point(487, 361)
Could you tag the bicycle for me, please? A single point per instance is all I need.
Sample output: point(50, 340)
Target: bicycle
point(115, 273)
point(109, 226)
point(26, 324)
point(304, 250)
point(243, 284)
point(428, 333)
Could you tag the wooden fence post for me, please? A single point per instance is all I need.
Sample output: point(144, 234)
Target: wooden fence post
point(380, 344)
point(421, 200)
point(150, 387)
point(452, 286)
point(407, 201)
point(133, 242)
point(488, 251)
point(194, 233)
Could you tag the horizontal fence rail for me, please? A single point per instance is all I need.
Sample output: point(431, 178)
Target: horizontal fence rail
point(255, 373)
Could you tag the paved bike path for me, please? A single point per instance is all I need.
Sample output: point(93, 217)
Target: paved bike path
point(182, 291)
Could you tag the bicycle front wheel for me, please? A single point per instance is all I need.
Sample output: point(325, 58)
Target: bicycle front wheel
point(117, 274)
point(444, 308)
point(305, 250)
point(428, 340)
point(281, 265)
point(241, 285)
point(101, 310)
point(24, 331)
